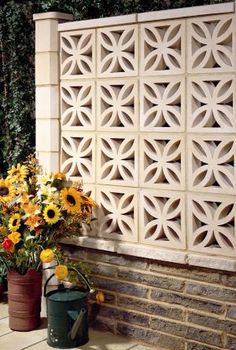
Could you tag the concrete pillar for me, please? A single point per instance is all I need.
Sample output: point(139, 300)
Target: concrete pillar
point(47, 77)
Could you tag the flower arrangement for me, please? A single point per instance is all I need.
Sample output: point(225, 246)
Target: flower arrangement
point(36, 212)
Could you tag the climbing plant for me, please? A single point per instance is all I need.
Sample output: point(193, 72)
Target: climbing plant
point(17, 60)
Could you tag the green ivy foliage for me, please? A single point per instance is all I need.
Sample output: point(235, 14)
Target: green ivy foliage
point(17, 125)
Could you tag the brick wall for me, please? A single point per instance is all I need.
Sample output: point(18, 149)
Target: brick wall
point(162, 304)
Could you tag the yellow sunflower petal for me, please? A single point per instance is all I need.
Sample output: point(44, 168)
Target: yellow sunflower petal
point(14, 222)
point(7, 191)
point(18, 173)
point(71, 200)
point(51, 214)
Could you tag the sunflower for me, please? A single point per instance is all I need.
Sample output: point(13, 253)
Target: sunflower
point(6, 191)
point(14, 222)
point(51, 214)
point(71, 200)
point(18, 173)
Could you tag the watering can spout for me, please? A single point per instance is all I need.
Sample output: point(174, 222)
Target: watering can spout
point(78, 320)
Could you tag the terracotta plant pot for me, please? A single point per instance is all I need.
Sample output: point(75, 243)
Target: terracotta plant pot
point(24, 300)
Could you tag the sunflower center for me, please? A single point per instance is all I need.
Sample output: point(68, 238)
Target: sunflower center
point(4, 191)
point(14, 223)
point(71, 199)
point(51, 213)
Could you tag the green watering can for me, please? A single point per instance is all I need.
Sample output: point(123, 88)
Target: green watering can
point(67, 312)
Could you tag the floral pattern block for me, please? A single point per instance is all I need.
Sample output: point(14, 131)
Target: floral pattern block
point(211, 104)
point(212, 225)
point(117, 213)
point(162, 48)
point(117, 160)
point(77, 106)
point(117, 105)
point(162, 162)
point(162, 219)
point(213, 164)
point(78, 157)
point(161, 105)
point(77, 54)
point(117, 51)
point(211, 44)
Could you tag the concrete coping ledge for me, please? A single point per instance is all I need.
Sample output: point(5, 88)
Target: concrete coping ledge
point(52, 15)
point(150, 16)
point(98, 22)
point(160, 254)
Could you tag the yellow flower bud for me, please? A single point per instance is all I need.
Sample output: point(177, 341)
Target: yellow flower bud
point(100, 297)
point(61, 272)
point(46, 255)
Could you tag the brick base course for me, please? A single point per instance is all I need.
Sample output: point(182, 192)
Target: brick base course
point(162, 304)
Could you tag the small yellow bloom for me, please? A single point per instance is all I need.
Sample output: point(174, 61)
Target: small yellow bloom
point(15, 237)
point(59, 176)
point(100, 298)
point(46, 255)
point(61, 272)
point(14, 222)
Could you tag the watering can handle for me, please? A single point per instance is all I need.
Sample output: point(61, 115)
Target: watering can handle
point(82, 277)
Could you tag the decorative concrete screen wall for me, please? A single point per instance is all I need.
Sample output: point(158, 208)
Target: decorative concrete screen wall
point(143, 110)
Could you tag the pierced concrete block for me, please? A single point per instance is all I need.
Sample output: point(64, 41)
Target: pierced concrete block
point(117, 159)
point(211, 224)
point(117, 213)
point(162, 106)
point(117, 105)
point(46, 68)
point(78, 54)
point(212, 164)
point(162, 161)
point(78, 156)
point(78, 105)
point(47, 102)
point(162, 218)
point(211, 104)
point(47, 136)
point(162, 47)
point(211, 44)
point(117, 51)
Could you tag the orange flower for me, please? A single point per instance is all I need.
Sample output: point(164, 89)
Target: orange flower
point(33, 221)
point(15, 237)
point(100, 298)
point(30, 208)
point(59, 176)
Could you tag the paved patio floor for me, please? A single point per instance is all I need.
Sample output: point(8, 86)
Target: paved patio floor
point(37, 339)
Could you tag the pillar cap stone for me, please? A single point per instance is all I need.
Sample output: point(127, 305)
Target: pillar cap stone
point(52, 15)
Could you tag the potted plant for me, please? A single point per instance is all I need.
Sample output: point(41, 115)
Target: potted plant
point(36, 211)
point(3, 278)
